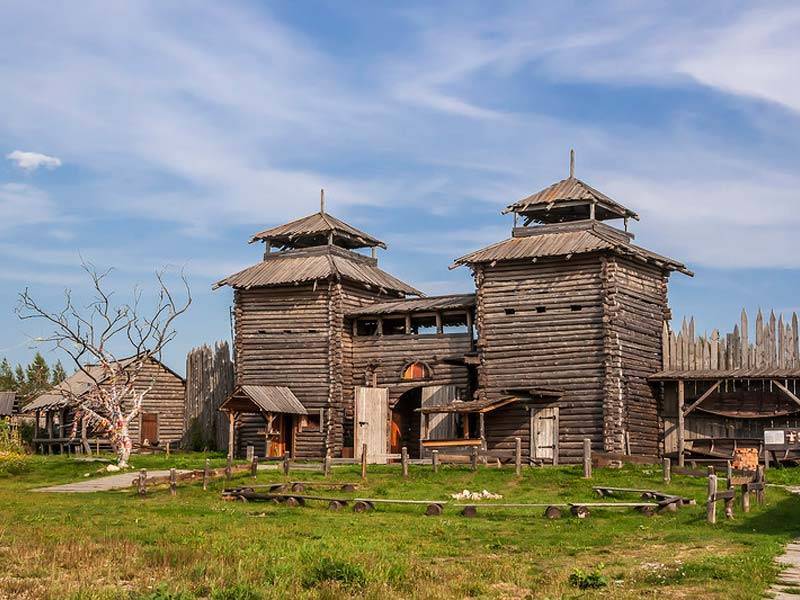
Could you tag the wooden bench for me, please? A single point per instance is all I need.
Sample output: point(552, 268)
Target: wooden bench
point(433, 507)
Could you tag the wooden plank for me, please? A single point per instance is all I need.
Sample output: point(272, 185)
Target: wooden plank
point(705, 395)
point(371, 423)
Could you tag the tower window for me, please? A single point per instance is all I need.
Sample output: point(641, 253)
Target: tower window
point(416, 370)
point(541, 309)
point(575, 307)
point(511, 311)
point(366, 326)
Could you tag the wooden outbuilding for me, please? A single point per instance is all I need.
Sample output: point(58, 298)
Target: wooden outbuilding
point(9, 405)
point(160, 421)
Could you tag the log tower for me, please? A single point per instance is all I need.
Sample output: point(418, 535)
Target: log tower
point(289, 325)
point(569, 303)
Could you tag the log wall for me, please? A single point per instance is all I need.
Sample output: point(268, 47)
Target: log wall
point(560, 345)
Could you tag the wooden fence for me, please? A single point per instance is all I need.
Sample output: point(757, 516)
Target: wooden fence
point(209, 381)
point(774, 346)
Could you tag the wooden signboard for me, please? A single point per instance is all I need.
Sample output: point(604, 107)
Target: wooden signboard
point(782, 439)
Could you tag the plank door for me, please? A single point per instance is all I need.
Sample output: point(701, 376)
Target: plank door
point(544, 431)
point(441, 426)
point(372, 423)
point(149, 429)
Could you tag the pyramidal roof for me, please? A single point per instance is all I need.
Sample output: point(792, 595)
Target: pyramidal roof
point(567, 190)
point(316, 230)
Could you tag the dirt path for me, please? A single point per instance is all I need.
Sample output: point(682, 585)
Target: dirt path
point(103, 484)
point(788, 585)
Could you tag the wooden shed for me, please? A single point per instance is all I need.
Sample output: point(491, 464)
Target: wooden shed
point(9, 405)
point(160, 421)
point(289, 323)
point(570, 303)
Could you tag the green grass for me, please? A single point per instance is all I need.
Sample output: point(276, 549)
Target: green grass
point(116, 545)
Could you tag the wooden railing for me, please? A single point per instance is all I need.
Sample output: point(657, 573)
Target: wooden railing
point(774, 346)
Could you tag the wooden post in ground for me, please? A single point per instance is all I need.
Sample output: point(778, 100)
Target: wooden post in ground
point(474, 459)
point(729, 501)
point(404, 461)
point(761, 478)
point(286, 464)
point(206, 474)
point(587, 458)
point(231, 418)
point(251, 452)
point(254, 465)
point(667, 470)
point(229, 468)
point(167, 449)
point(745, 499)
point(681, 424)
point(711, 501)
point(435, 460)
point(518, 455)
point(326, 465)
point(729, 470)
point(143, 482)
point(363, 461)
point(173, 482)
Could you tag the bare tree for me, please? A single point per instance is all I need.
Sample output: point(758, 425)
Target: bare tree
point(93, 337)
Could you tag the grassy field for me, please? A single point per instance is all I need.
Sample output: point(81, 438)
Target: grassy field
point(116, 545)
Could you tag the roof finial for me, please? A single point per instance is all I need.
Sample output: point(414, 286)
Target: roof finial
point(571, 163)
point(322, 201)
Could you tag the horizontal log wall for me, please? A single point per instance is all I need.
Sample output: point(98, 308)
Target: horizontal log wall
point(505, 424)
point(559, 348)
point(282, 338)
point(386, 355)
point(635, 309)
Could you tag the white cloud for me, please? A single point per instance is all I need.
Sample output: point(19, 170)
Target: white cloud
point(30, 161)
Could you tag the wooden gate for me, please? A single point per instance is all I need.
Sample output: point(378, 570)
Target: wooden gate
point(544, 434)
point(372, 423)
point(441, 426)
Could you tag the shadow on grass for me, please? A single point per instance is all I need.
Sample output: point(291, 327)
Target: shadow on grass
point(781, 518)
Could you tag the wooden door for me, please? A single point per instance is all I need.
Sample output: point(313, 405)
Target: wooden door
point(544, 434)
point(372, 423)
point(441, 426)
point(149, 429)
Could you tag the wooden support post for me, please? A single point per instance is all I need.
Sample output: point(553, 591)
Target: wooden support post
point(286, 464)
point(206, 474)
point(729, 501)
point(745, 499)
point(229, 468)
point(326, 465)
point(728, 470)
point(143, 482)
point(711, 501)
point(167, 447)
point(587, 458)
point(681, 424)
point(363, 461)
point(231, 418)
point(404, 461)
point(474, 459)
point(667, 470)
point(254, 466)
point(435, 460)
point(173, 482)
point(761, 478)
point(518, 455)
point(251, 450)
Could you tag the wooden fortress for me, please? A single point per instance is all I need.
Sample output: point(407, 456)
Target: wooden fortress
point(556, 344)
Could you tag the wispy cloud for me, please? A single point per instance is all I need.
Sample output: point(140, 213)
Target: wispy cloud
point(22, 205)
point(31, 161)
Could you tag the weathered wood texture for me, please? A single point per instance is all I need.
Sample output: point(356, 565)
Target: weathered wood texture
point(774, 344)
point(588, 326)
point(209, 381)
point(166, 400)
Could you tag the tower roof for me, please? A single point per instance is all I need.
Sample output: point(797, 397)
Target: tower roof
point(566, 197)
point(316, 230)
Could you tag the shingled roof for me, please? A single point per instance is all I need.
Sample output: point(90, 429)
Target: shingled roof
point(579, 237)
point(315, 230)
point(569, 190)
point(312, 264)
point(416, 305)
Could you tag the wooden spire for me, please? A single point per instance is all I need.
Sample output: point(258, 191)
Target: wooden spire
point(322, 201)
point(571, 163)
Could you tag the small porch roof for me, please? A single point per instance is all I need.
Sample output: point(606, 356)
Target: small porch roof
point(485, 406)
point(263, 398)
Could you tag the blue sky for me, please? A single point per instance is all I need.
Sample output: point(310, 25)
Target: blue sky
point(174, 130)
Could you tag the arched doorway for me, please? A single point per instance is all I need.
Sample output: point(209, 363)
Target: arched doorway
point(405, 423)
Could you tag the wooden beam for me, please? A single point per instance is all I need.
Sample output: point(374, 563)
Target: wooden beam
point(787, 391)
point(681, 442)
point(231, 418)
point(705, 395)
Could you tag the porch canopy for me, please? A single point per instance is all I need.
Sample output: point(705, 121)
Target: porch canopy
point(268, 400)
point(480, 408)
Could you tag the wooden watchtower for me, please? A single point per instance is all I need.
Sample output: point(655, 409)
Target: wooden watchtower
point(289, 325)
point(569, 303)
